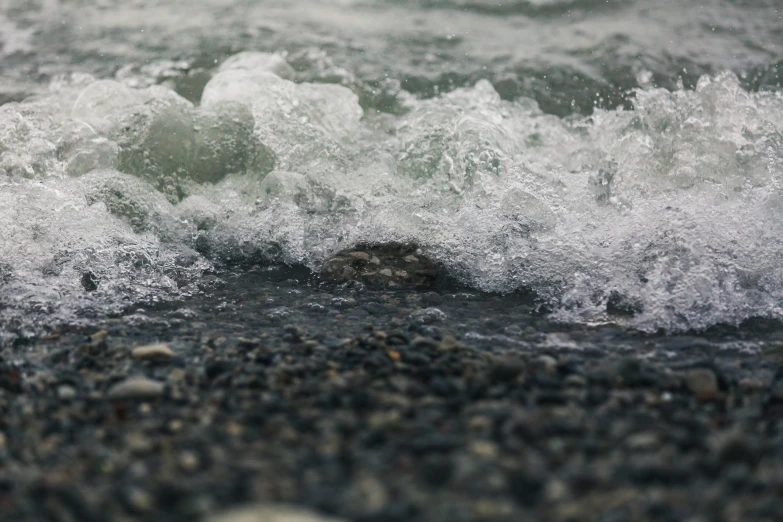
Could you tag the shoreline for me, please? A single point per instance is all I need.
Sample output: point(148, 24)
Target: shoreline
point(380, 405)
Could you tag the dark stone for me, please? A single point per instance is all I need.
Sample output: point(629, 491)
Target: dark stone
point(649, 473)
point(415, 358)
point(89, 281)
point(634, 373)
point(216, 368)
point(375, 308)
point(398, 338)
point(619, 304)
point(740, 449)
point(87, 362)
point(386, 265)
point(432, 298)
point(525, 487)
point(433, 443)
point(64, 503)
point(506, 369)
point(10, 378)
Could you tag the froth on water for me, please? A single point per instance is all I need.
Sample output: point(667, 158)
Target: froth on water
point(664, 216)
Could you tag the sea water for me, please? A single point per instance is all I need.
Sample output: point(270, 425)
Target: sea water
point(620, 160)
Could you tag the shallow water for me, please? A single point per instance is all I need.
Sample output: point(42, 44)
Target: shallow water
point(619, 160)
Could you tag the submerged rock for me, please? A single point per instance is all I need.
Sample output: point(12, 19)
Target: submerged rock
point(385, 265)
point(703, 383)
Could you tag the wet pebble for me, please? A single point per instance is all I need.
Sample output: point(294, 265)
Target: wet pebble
point(153, 352)
point(269, 513)
point(428, 316)
point(703, 383)
point(136, 388)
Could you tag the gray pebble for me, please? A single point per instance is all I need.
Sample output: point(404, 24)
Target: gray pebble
point(159, 351)
point(136, 388)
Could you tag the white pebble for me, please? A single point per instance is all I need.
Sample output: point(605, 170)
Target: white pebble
point(136, 388)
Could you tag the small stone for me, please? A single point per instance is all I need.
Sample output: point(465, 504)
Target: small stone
point(505, 369)
point(526, 485)
point(139, 501)
point(479, 423)
point(545, 363)
point(375, 308)
point(449, 344)
point(188, 461)
point(366, 496)
point(633, 373)
point(750, 385)
point(383, 266)
point(362, 256)
point(644, 441)
point(436, 470)
point(177, 374)
point(575, 381)
point(136, 388)
point(269, 513)
point(89, 281)
point(385, 420)
point(428, 316)
point(342, 303)
point(703, 383)
point(424, 343)
point(432, 298)
point(737, 447)
point(159, 352)
point(10, 378)
point(65, 392)
point(512, 330)
point(487, 509)
point(776, 390)
point(100, 335)
point(485, 449)
point(555, 490)
point(215, 369)
point(139, 444)
point(234, 429)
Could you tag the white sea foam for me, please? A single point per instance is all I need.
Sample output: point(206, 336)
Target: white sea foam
point(664, 216)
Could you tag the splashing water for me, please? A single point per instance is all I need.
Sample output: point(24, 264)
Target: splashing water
point(664, 216)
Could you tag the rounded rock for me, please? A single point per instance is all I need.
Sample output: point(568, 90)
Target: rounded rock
point(703, 383)
point(136, 388)
point(159, 351)
point(270, 513)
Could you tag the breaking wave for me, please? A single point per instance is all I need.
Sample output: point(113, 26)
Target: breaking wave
point(666, 216)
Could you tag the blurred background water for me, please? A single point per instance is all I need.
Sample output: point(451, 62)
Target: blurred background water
point(566, 54)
